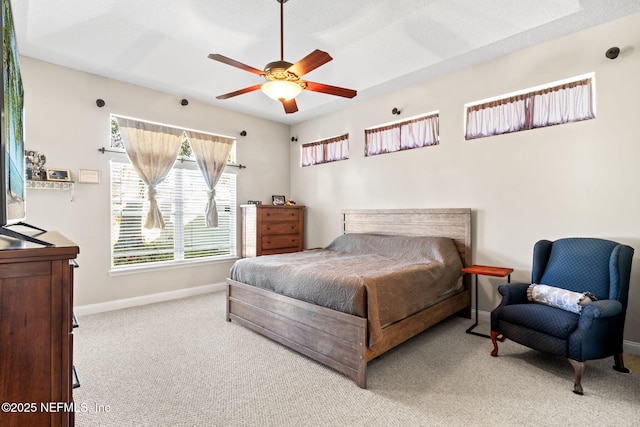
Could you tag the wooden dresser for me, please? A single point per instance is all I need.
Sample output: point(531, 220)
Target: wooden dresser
point(36, 337)
point(268, 229)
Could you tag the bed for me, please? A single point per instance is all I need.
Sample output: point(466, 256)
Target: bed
point(346, 338)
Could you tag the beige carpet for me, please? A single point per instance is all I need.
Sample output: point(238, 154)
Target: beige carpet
point(179, 363)
point(632, 362)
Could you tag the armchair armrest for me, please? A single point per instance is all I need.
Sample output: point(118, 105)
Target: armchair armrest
point(599, 331)
point(513, 293)
point(602, 308)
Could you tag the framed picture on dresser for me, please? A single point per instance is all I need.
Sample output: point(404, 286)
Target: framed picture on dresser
point(278, 200)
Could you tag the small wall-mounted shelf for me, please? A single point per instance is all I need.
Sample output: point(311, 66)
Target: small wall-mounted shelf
point(52, 185)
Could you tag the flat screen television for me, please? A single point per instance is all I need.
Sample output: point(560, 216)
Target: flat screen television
point(12, 164)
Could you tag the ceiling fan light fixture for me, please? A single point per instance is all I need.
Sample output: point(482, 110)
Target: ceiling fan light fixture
point(283, 78)
point(281, 89)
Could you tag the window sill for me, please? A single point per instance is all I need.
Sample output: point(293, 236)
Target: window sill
point(141, 269)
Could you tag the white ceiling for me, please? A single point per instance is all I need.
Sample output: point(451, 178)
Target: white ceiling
point(377, 45)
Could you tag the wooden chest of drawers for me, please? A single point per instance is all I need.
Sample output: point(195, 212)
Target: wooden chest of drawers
point(36, 332)
point(268, 229)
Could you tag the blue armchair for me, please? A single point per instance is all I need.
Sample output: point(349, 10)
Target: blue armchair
point(601, 267)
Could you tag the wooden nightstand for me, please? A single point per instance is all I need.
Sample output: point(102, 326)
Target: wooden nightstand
point(485, 270)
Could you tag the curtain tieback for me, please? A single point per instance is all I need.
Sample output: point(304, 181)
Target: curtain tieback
point(152, 193)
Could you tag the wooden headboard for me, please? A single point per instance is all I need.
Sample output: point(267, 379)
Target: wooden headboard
point(453, 223)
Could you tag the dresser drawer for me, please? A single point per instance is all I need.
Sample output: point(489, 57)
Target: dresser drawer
point(280, 241)
point(269, 228)
point(279, 251)
point(280, 214)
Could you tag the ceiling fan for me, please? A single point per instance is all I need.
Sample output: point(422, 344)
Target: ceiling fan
point(283, 78)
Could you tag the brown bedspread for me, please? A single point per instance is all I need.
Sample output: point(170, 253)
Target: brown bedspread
point(383, 278)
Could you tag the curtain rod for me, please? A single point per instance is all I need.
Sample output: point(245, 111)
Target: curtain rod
point(182, 159)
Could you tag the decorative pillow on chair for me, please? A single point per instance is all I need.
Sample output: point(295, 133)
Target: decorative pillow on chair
point(560, 298)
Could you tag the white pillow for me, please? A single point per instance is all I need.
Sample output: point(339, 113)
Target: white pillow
point(558, 297)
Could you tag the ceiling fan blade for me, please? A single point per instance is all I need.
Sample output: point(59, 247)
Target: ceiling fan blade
point(239, 92)
point(310, 62)
point(331, 90)
point(290, 106)
point(234, 63)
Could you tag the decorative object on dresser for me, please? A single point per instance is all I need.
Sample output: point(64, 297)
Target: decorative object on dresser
point(36, 331)
point(268, 230)
point(278, 200)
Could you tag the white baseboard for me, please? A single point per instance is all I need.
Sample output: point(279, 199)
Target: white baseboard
point(630, 347)
point(146, 299)
point(483, 316)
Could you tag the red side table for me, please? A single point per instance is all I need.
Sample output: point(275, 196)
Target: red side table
point(485, 270)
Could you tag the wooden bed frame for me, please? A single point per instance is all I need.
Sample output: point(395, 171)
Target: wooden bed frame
point(337, 339)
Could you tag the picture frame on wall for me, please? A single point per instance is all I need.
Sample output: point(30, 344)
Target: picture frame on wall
point(278, 200)
point(58, 175)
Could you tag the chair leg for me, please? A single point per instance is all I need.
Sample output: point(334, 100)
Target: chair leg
point(494, 341)
point(578, 367)
point(619, 364)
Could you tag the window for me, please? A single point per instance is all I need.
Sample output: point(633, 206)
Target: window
point(412, 133)
point(325, 151)
point(185, 150)
point(182, 199)
point(553, 104)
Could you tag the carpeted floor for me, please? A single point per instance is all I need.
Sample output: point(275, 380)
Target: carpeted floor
point(179, 363)
point(632, 362)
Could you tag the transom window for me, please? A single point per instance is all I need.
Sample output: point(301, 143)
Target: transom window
point(557, 103)
point(415, 132)
point(325, 151)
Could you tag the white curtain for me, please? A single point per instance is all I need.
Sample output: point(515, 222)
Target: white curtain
point(382, 140)
point(569, 102)
point(312, 154)
point(152, 150)
point(337, 150)
point(415, 133)
point(327, 150)
point(495, 118)
point(418, 133)
point(211, 152)
point(564, 104)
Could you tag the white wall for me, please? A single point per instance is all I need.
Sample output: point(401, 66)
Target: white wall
point(579, 179)
point(63, 122)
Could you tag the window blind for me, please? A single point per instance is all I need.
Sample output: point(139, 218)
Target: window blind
point(182, 199)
